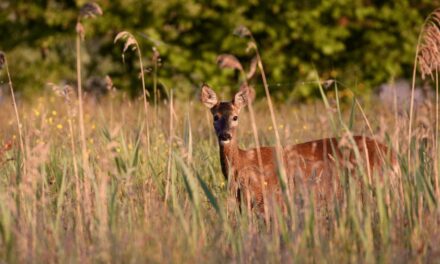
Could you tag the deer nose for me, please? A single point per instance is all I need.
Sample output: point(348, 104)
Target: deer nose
point(225, 136)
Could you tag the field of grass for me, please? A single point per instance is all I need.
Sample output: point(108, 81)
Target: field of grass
point(132, 181)
point(152, 190)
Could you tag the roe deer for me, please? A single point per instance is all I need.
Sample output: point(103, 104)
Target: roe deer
point(311, 164)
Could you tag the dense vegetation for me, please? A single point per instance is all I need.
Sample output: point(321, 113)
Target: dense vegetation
point(363, 43)
point(128, 180)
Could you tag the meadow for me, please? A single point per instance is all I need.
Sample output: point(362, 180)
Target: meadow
point(160, 196)
point(139, 180)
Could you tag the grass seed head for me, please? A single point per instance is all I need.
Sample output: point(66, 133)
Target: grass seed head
point(130, 41)
point(252, 68)
point(90, 10)
point(429, 54)
point(242, 31)
point(229, 61)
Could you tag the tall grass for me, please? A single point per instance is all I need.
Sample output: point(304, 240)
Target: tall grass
point(131, 42)
point(4, 64)
point(199, 220)
point(161, 197)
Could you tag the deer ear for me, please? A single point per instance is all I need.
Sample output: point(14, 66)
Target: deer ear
point(241, 98)
point(208, 96)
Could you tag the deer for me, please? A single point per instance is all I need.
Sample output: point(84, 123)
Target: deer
point(313, 165)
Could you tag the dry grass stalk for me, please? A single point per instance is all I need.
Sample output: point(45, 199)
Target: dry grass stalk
point(436, 165)
point(4, 64)
point(170, 147)
point(156, 62)
point(243, 31)
point(66, 93)
point(88, 10)
point(130, 41)
point(428, 58)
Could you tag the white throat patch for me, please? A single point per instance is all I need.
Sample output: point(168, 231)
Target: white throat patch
point(225, 142)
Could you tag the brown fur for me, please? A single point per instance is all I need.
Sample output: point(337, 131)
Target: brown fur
point(312, 164)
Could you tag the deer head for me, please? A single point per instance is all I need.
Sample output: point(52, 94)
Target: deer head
point(225, 114)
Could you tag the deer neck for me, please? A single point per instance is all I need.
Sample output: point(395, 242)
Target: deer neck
point(229, 157)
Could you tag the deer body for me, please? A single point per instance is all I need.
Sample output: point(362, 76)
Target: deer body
point(312, 164)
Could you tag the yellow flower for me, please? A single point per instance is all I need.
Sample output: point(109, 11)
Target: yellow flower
point(36, 112)
point(93, 126)
point(91, 141)
point(270, 128)
point(54, 113)
point(59, 126)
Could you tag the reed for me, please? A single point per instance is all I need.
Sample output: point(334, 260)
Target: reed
point(4, 64)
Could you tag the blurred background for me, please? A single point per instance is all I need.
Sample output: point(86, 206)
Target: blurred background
point(361, 43)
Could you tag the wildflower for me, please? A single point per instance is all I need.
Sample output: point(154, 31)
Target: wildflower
point(60, 126)
point(54, 113)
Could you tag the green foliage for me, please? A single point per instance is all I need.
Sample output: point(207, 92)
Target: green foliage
point(363, 43)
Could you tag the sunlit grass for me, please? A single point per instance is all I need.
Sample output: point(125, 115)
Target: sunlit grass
point(46, 216)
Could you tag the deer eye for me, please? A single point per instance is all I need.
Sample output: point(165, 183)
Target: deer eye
point(216, 118)
point(235, 118)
